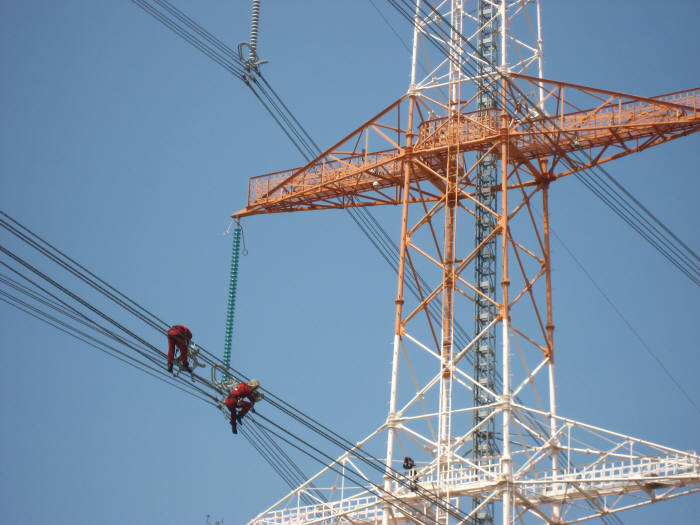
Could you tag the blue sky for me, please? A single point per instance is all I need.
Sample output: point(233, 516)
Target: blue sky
point(128, 149)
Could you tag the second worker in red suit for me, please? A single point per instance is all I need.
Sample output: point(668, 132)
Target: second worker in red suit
point(236, 403)
point(180, 336)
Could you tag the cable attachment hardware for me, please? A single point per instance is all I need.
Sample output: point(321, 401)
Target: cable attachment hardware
point(192, 358)
point(221, 379)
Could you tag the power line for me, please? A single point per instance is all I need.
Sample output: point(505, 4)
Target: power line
point(153, 356)
point(68, 329)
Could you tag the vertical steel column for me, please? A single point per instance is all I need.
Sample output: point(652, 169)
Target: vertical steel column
point(446, 352)
point(556, 509)
point(484, 445)
point(506, 466)
point(506, 460)
point(398, 325)
point(452, 172)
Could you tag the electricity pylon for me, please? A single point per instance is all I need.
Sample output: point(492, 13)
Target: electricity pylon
point(474, 147)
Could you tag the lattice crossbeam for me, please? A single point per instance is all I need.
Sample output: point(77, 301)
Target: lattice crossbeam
point(349, 175)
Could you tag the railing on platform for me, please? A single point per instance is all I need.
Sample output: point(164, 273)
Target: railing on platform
point(636, 472)
point(612, 475)
point(270, 187)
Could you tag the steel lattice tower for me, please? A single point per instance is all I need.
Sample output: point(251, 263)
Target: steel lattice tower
point(469, 153)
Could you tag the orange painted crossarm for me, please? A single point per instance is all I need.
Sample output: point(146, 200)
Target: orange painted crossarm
point(367, 167)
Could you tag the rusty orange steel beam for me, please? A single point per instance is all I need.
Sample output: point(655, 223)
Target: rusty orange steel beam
point(617, 125)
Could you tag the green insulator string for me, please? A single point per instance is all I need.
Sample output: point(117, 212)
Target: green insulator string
point(232, 296)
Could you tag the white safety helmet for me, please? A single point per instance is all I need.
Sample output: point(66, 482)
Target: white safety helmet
point(253, 383)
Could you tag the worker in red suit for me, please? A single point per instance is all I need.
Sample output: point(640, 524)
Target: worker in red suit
point(180, 336)
point(236, 401)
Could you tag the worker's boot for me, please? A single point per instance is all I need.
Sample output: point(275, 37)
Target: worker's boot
point(170, 368)
point(234, 429)
point(239, 418)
